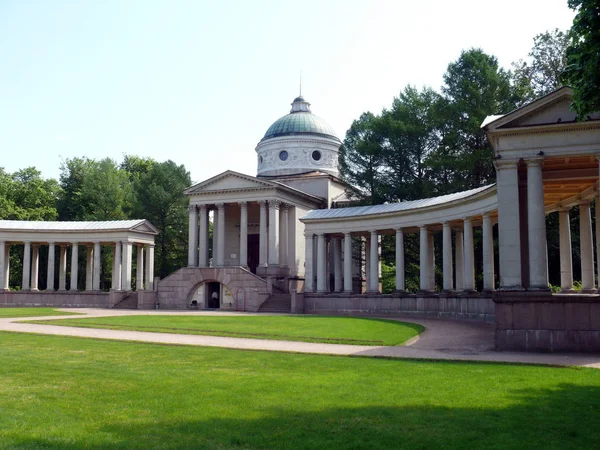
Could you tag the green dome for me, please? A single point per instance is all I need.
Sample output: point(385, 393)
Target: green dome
point(299, 123)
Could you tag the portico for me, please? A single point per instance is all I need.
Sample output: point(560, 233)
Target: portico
point(68, 237)
point(254, 225)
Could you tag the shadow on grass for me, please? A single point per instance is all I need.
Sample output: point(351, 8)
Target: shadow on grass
point(565, 417)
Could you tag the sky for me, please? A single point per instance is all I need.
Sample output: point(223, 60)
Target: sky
point(199, 82)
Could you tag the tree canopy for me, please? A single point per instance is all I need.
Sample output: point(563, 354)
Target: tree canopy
point(583, 57)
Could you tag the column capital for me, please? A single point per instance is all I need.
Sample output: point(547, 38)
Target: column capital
point(467, 220)
point(535, 161)
point(284, 207)
point(584, 202)
point(192, 208)
point(262, 203)
point(446, 224)
point(74, 243)
point(274, 204)
point(564, 209)
point(320, 234)
point(347, 234)
point(487, 214)
point(220, 206)
point(423, 227)
point(308, 235)
point(373, 232)
point(35, 244)
point(500, 164)
point(243, 205)
point(399, 230)
point(202, 207)
point(150, 245)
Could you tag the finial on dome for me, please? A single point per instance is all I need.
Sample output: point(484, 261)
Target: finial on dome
point(300, 105)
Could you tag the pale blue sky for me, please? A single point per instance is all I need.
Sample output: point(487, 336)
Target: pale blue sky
point(200, 82)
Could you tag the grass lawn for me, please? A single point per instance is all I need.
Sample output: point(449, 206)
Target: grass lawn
point(67, 393)
point(333, 330)
point(32, 312)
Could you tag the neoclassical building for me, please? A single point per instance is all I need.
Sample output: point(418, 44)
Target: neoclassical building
point(287, 239)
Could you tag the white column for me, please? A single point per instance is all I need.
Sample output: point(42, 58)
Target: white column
point(347, 263)
point(283, 235)
point(262, 252)
point(424, 255)
point(126, 266)
point(35, 264)
point(587, 253)
point(309, 275)
point(373, 281)
point(215, 238)
point(321, 263)
point(244, 234)
point(89, 268)
point(97, 266)
point(203, 251)
point(509, 240)
point(337, 264)
point(221, 235)
point(193, 236)
point(459, 266)
point(566, 261)
point(150, 267)
point(400, 268)
point(116, 271)
point(536, 223)
point(447, 256)
point(62, 268)
point(488, 253)
point(26, 265)
point(139, 273)
point(6, 284)
point(74, 266)
point(3, 276)
point(469, 256)
point(274, 232)
point(431, 261)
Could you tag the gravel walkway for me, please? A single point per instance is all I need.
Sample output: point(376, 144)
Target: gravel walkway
point(442, 340)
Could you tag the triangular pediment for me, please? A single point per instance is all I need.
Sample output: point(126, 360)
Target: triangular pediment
point(228, 181)
point(145, 227)
point(553, 108)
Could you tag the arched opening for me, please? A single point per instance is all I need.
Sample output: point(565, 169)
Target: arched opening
point(211, 295)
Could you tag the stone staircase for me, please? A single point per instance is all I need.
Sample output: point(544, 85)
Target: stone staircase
point(277, 303)
point(129, 301)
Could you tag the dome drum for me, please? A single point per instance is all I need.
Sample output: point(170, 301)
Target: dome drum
point(298, 142)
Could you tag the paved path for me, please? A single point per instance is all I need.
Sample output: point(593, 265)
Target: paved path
point(442, 340)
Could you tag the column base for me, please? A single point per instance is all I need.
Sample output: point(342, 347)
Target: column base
point(567, 291)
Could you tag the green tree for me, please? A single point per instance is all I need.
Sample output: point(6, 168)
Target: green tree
point(583, 57)
point(73, 171)
point(409, 136)
point(362, 160)
point(474, 87)
point(159, 198)
point(542, 73)
point(106, 191)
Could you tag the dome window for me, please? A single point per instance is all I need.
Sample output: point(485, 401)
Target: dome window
point(260, 159)
point(316, 155)
point(283, 155)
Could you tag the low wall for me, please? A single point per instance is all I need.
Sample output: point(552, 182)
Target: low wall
point(67, 299)
point(540, 321)
point(467, 306)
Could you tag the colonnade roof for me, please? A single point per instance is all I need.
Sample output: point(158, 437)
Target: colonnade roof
point(139, 226)
point(407, 206)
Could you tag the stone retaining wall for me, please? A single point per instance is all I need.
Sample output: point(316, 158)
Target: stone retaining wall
point(472, 306)
point(80, 299)
point(539, 321)
point(248, 290)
